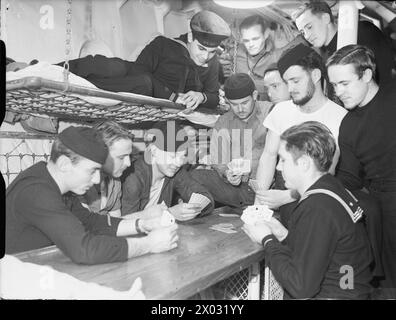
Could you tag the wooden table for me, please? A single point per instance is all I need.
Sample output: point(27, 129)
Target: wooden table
point(203, 258)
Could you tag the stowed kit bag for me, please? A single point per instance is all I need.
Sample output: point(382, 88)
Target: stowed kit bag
point(33, 123)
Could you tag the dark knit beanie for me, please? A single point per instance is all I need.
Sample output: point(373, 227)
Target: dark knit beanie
point(168, 136)
point(238, 86)
point(292, 56)
point(86, 142)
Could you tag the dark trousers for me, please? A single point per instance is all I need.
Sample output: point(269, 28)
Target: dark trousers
point(387, 200)
point(118, 75)
point(373, 222)
point(222, 191)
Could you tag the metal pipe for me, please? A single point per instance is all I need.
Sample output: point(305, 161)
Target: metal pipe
point(348, 18)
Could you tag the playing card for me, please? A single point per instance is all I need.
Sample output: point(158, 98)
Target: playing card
point(199, 199)
point(256, 214)
point(239, 166)
point(224, 225)
point(225, 230)
point(167, 219)
point(229, 215)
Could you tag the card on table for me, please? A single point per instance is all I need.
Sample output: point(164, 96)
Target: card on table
point(224, 227)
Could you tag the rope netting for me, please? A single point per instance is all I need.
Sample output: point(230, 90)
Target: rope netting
point(236, 286)
point(23, 96)
point(17, 155)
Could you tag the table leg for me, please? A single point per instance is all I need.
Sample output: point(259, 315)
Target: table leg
point(254, 282)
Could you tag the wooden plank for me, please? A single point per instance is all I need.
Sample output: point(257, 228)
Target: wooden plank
point(203, 258)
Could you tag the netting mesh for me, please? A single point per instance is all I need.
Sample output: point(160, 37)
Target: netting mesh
point(18, 154)
point(236, 286)
point(272, 290)
point(74, 108)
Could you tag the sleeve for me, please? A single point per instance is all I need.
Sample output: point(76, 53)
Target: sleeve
point(372, 37)
point(185, 185)
point(98, 66)
point(50, 215)
point(301, 270)
point(93, 222)
point(270, 121)
point(147, 63)
point(349, 169)
point(392, 25)
point(212, 85)
point(150, 56)
point(241, 61)
point(220, 142)
point(131, 195)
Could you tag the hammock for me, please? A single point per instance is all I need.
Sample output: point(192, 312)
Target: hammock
point(36, 95)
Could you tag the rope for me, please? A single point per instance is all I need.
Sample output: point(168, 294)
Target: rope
point(68, 45)
point(88, 21)
point(234, 58)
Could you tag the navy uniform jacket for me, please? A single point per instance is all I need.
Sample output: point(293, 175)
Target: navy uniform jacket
point(169, 62)
point(163, 68)
point(38, 216)
point(322, 239)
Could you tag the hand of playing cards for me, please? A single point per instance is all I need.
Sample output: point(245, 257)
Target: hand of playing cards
point(188, 211)
point(167, 219)
point(200, 200)
point(239, 166)
point(256, 214)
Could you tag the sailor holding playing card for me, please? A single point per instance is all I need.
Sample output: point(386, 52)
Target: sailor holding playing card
point(325, 252)
point(158, 177)
point(236, 144)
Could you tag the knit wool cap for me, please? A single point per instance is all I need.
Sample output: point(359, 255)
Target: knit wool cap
point(86, 142)
point(292, 56)
point(238, 86)
point(209, 29)
point(168, 136)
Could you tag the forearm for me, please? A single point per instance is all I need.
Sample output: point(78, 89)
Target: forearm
point(95, 223)
point(138, 247)
point(266, 170)
point(287, 272)
point(127, 227)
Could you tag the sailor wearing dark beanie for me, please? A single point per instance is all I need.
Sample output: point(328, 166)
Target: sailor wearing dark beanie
point(86, 142)
point(295, 56)
point(238, 86)
point(237, 135)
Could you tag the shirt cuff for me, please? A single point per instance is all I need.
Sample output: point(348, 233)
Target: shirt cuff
point(173, 97)
point(267, 239)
